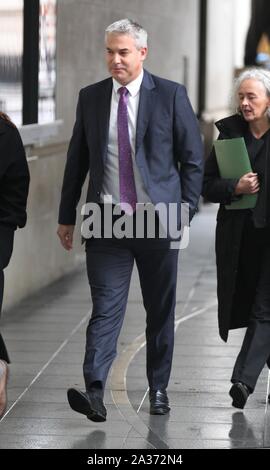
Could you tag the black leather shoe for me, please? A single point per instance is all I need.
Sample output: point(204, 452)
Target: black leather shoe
point(159, 403)
point(239, 393)
point(269, 398)
point(88, 404)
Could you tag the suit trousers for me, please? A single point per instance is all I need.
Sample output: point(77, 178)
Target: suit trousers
point(255, 350)
point(109, 267)
point(6, 247)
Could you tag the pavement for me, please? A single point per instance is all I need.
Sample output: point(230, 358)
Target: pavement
point(45, 336)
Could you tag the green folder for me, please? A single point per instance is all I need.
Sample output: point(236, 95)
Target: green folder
point(233, 162)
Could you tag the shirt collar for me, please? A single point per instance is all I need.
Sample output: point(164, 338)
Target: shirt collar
point(133, 87)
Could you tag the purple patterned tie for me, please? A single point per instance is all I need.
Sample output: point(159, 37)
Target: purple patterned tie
point(126, 175)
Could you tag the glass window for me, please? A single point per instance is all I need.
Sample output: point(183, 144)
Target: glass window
point(11, 48)
point(11, 53)
point(47, 49)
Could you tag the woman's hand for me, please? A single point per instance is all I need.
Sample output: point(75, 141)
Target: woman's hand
point(248, 184)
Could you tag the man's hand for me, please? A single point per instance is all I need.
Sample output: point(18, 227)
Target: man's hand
point(248, 184)
point(65, 233)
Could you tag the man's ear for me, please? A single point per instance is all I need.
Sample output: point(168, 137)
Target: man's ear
point(144, 51)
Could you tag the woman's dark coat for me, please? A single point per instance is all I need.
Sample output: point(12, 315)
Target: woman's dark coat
point(14, 183)
point(235, 290)
point(14, 177)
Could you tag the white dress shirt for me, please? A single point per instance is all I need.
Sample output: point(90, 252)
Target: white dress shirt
point(111, 170)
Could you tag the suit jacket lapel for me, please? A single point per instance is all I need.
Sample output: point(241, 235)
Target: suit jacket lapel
point(104, 107)
point(146, 105)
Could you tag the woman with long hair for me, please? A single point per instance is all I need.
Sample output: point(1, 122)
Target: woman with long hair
point(14, 183)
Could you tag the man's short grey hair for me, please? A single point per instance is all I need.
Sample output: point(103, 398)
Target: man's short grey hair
point(127, 26)
point(259, 74)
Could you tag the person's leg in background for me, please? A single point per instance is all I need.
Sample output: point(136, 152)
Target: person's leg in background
point(255, 350)
point(6, 246)
point(3, 350)
point(4, 359)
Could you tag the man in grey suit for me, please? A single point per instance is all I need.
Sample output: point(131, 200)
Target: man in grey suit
point(137, 136)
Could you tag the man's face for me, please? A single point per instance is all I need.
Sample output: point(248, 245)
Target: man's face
point(124, 60)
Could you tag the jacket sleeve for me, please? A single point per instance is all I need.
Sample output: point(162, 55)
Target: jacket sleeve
point(14, 183)
point(188, 149)
point(215, 188)
point(76, 169)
